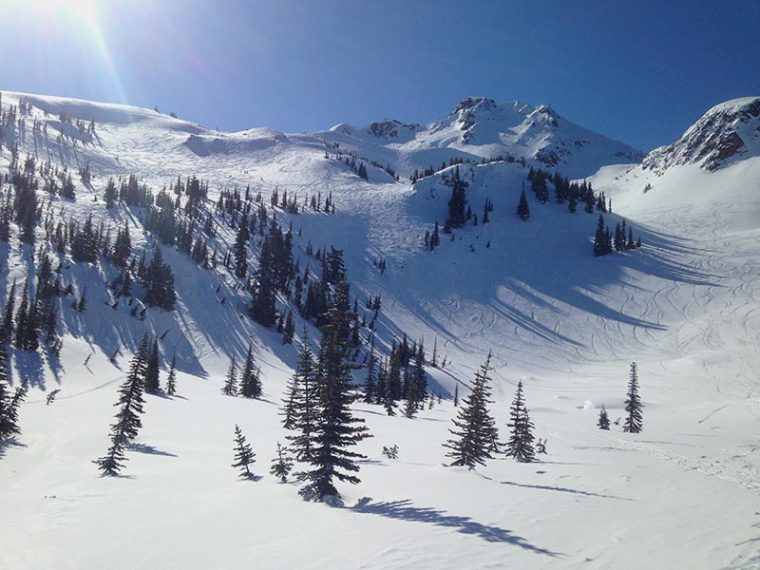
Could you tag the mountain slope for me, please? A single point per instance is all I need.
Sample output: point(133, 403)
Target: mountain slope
point(568, 324)
point(479, 127)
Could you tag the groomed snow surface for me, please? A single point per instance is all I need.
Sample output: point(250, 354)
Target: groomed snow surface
point(686, 307)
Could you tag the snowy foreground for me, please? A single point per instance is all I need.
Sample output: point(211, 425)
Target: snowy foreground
point(684, 493)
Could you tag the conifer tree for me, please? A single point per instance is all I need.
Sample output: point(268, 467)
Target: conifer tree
point(250, 384)
point(520, 443)
point(338, 429)
point(301, 413)
point(9, 405)
point(159, 282)
point(244, 455)
point(152, 372)
point(130, 404)
point(523, 210)
point(10, 306)
point(600, 238)
point(633, 406)
point(282, 465)
point(230, 383)
point(474, 427)
point(171, 379)
point(604, 420)
point(370, 388)
point(241, 248)
point(457, 202)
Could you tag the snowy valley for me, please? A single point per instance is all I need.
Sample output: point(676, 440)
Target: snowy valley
point(566, 323)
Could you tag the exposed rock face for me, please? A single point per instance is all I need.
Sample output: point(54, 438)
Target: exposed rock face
point(726, 132)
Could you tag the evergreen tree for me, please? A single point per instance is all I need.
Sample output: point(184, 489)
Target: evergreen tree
point(244, 455)
point(152, 372)
point(338, 429)
point(130, 404)
point(250, 384)
point(230, 383)
point(600, 239)
point(633, 406)
point(122, 247)
point(457, 202)
point(475, 429)
point(289, 329)
point(159, 282)
point(171, 379)
point(10, 306)
point(604, 420)
point(110, 194)
point(22, 316)
point(241, 248)
point(370, 387)
point(9, 405)
point(301, 413)
point(282, 465)
point(520, 443)
point(523, 211)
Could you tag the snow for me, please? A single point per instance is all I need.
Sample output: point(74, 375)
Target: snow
point(682, 494)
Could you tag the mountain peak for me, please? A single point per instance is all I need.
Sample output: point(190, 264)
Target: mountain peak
point(727, 131)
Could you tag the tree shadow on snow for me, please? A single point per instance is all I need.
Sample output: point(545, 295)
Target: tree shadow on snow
point(149, 449)
point(9, 442)
point(405, 510)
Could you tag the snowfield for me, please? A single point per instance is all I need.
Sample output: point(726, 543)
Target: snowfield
point(684, 493)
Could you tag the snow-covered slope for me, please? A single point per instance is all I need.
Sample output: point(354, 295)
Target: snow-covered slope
point(682, 494)
point(479, 127)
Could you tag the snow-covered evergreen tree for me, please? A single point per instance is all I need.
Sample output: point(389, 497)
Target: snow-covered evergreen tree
point(634, 421)
point(338, 430)
point(230, 387)
point(604, 421)
point(152, 371)
point(244, 455)
point(282, 465)
point(474, 427)
point(520, 443)
point(171, 379)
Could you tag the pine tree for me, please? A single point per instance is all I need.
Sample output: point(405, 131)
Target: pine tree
point(230, 383)
point(250, 385)
point(520, 443)
point(475, 429)
point(338, 429)
point(241, 248)
point(456, 395)
point(600, 239)
point(10, 305)
point(159, 282)
point(9, 405)
point(244, 455)
point(152, 372)
point(604, 420)
point(370, 387)
point(171, 379)
point(457, 202)
point(523, 211)
point(633, 406)
point(130, 404)
point(301, 413)
point(282, 465)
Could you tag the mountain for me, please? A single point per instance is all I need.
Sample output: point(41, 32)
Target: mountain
point(479, 127)
point(726, 133)
point(567, 324)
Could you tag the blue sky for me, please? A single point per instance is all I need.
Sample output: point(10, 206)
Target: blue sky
point(637, 71)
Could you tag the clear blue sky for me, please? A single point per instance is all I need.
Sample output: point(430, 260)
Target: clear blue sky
point(638, 71)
